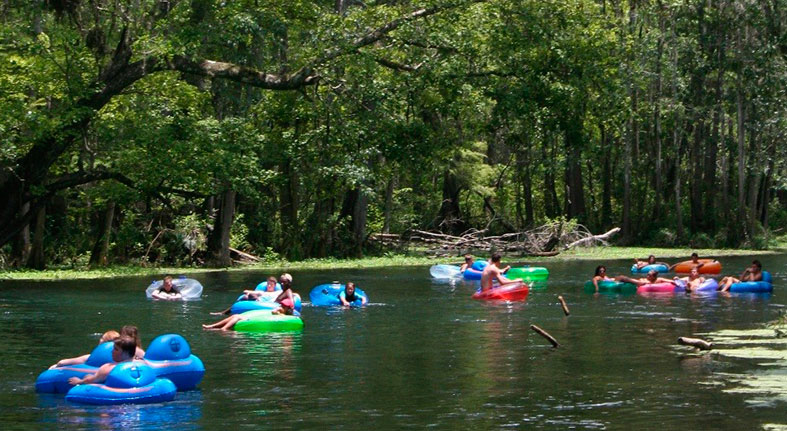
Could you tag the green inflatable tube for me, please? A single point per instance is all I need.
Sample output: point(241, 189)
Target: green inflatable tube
point(528, 273)
point(610, 286)
point(264, 321)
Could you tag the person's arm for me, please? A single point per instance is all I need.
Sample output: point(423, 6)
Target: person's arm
point(595, 283)
point(501, 279)
point(98, 377)
point(343, 299)
point(71, 361)
point(285, 295)
point(463, 267)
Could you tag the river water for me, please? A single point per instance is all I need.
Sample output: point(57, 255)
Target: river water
point(423, 354)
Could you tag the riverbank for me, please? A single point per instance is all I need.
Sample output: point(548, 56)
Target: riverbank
point(590, 253)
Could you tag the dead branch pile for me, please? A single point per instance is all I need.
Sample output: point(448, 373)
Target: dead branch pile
point(546, 240)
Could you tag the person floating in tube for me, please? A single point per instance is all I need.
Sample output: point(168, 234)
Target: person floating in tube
point(651, 277)
point(124, 350)
point(167, 290)
point(493, 273)
point(348, 296)
point(752, 273)
point(285, 300)
point(651, 261)
point(468, 263)
point(693, 280)
point(695, 262)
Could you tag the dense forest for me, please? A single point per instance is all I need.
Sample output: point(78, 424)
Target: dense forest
point(169, 131)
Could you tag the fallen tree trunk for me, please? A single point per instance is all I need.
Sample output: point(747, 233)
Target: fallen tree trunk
point(602, 238)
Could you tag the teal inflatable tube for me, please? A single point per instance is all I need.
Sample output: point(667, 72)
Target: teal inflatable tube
point(660, 268)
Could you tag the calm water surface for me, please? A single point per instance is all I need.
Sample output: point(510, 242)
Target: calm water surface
point(423, 354)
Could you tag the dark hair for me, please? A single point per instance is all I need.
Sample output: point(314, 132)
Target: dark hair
point(756, 263)
point(651, 257)
point(468, 257)
point(349, 285)
point(695, 255)
point(496, 257)
point(653, 272)
point(598, 268)
point(127, 345)
point(131, 332)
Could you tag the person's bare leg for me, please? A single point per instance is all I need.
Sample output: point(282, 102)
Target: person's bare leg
point(218, 324)
point(231, 321)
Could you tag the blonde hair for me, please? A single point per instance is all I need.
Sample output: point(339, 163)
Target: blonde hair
point(110, 335)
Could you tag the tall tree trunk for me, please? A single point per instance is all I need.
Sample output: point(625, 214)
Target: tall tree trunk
point(388, 208)
point(741, 211)
point(20, 247)
point(695, 180)
point(551, 205)
point(219, 239)
point(575, 193)
point(37, 259)
point(449, 218)
point(524, 167)
point(100, 254)
point(291, 239)
point(606, 180)
point(659, 193)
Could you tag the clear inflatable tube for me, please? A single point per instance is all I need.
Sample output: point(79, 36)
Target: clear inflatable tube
point(188, 288)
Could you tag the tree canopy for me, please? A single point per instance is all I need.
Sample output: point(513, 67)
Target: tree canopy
point(170, 131)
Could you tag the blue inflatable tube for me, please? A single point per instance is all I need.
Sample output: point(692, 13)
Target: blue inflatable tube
point(55, 381)
point(170, 357)
point(128, 383)
point(475, 270)
point(327, 295)
point(763, 286)
point(264, 303)
point(660, 268)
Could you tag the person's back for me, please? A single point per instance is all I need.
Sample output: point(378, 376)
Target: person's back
point(493, 272)
point(124, 350)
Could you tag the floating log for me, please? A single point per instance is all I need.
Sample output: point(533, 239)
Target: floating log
point(546, 335)
point(563, 304)
point(695, 342)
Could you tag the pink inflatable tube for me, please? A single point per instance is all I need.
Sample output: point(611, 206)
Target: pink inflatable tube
point(657, 288)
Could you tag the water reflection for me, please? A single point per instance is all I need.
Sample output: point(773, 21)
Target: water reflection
point(182, 414)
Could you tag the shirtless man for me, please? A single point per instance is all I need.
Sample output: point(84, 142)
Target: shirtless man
point(693, 280)
point(124, 350)
point(752, 273)
point(650, 278)
point(493, 272)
